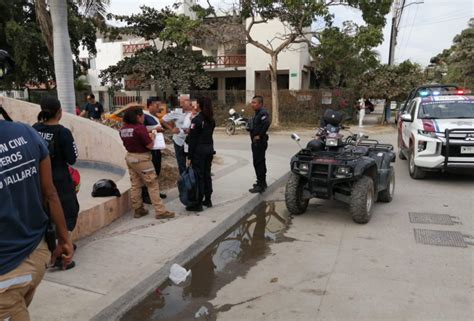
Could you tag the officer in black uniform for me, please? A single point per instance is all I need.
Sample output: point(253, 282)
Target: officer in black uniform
point(201, 151)
point(258, 128)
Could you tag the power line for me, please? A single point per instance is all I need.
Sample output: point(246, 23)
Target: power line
point(441, 21)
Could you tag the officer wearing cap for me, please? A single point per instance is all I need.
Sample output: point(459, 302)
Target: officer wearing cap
point(258, 128)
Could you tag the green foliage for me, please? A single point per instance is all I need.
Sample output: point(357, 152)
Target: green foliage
point(342, 55)
point(21, 36)
point(457, 62)
point(176, 67)
point(392, 82)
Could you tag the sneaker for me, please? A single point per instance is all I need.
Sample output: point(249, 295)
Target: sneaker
point(140, 212)
point(164, 215)
point(194, 208)
point(257, 189)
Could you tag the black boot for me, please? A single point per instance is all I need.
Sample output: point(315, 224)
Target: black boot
point(194, 208)
point(257, 189)
point(207, 201)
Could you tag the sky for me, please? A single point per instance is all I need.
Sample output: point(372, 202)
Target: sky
point(425, 29)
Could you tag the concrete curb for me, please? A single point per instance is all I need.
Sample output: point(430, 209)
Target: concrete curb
point(147, 286)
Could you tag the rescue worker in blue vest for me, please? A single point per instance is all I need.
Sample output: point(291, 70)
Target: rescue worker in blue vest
point(258, 127)
point(201, 151)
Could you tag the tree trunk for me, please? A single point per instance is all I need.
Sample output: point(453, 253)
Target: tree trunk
point(63, 66)
point(274, 84)
point(44, 21)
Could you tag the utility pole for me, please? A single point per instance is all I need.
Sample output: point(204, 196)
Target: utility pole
point(397, 16)
point(398, 7)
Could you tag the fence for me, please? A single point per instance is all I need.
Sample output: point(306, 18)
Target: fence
point(16, 94)
point(302, 107)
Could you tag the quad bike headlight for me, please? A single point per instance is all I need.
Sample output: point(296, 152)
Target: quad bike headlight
point(343, 171)
point(303, 168)
point(332, 142)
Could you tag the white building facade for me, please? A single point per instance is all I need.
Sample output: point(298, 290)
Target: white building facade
point(242, 67)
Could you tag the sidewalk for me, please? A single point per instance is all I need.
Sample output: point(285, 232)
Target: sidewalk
point(118, 258)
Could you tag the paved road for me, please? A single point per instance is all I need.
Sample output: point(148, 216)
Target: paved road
point(335, 269)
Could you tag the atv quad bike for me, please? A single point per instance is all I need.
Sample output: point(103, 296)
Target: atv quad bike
point(355, 170)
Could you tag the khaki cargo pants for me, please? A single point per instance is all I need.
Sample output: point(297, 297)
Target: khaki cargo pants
point(18, 286)
point(142, 173)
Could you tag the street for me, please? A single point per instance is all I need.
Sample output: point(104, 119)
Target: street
point(334, 269)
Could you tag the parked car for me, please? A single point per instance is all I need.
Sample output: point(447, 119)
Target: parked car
point(424, 91)
point(436, 133)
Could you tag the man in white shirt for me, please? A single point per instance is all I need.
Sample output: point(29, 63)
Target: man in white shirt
point(182, 122)
point(361, 111)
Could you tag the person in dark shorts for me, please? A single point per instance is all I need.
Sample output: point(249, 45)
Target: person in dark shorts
point(93, 109)
point(63, 152)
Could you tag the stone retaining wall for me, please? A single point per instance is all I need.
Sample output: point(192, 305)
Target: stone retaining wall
point(96, 143)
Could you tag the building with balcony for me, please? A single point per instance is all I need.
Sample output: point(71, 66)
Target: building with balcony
point(238, 67)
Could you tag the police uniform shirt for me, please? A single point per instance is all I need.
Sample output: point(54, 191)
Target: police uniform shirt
point(200, 134)
point(22, 217)
point(260, 123)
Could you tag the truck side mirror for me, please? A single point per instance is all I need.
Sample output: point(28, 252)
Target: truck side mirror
point(407, 118)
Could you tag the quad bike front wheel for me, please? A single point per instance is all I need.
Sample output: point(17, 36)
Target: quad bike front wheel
point(230, 128)
point(362, 200)
point(295, 203)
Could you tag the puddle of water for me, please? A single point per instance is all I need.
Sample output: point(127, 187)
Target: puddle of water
point(229, 257)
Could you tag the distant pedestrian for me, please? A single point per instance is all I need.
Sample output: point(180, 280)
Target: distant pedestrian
point(201, 151)
point(92, 109)
point(28, 197)
point(63, 152)
point(361, 111)
point(258, 128)
point(180, 128)
point(138, 143)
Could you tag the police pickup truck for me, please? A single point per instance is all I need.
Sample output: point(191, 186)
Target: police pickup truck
point(436, 133)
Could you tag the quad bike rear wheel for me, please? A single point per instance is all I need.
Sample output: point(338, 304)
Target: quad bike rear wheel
point(387, 194)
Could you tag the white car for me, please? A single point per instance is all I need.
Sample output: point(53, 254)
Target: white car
point(436, 133)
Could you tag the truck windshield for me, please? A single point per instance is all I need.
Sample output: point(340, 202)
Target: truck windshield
point(447, 110)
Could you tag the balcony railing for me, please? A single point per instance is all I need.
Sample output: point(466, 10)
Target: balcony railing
point(227, 61)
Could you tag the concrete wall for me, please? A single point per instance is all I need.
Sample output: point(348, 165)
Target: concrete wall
point(96, 143)
point(294, 59)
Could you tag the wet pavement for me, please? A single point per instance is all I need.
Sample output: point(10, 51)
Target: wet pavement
point(230, 257)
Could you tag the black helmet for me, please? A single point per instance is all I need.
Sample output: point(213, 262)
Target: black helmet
point(105, 188)
point(6, 63)
point(332, 117)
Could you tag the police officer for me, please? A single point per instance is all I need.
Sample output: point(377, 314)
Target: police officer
point(201, 151)
point(258, 128)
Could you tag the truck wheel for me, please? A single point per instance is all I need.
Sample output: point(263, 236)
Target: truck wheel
point(387, 194)
point(295, 203)
point(401, 155)
point(415, 171)
point(230, 128)
point(362, 200)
